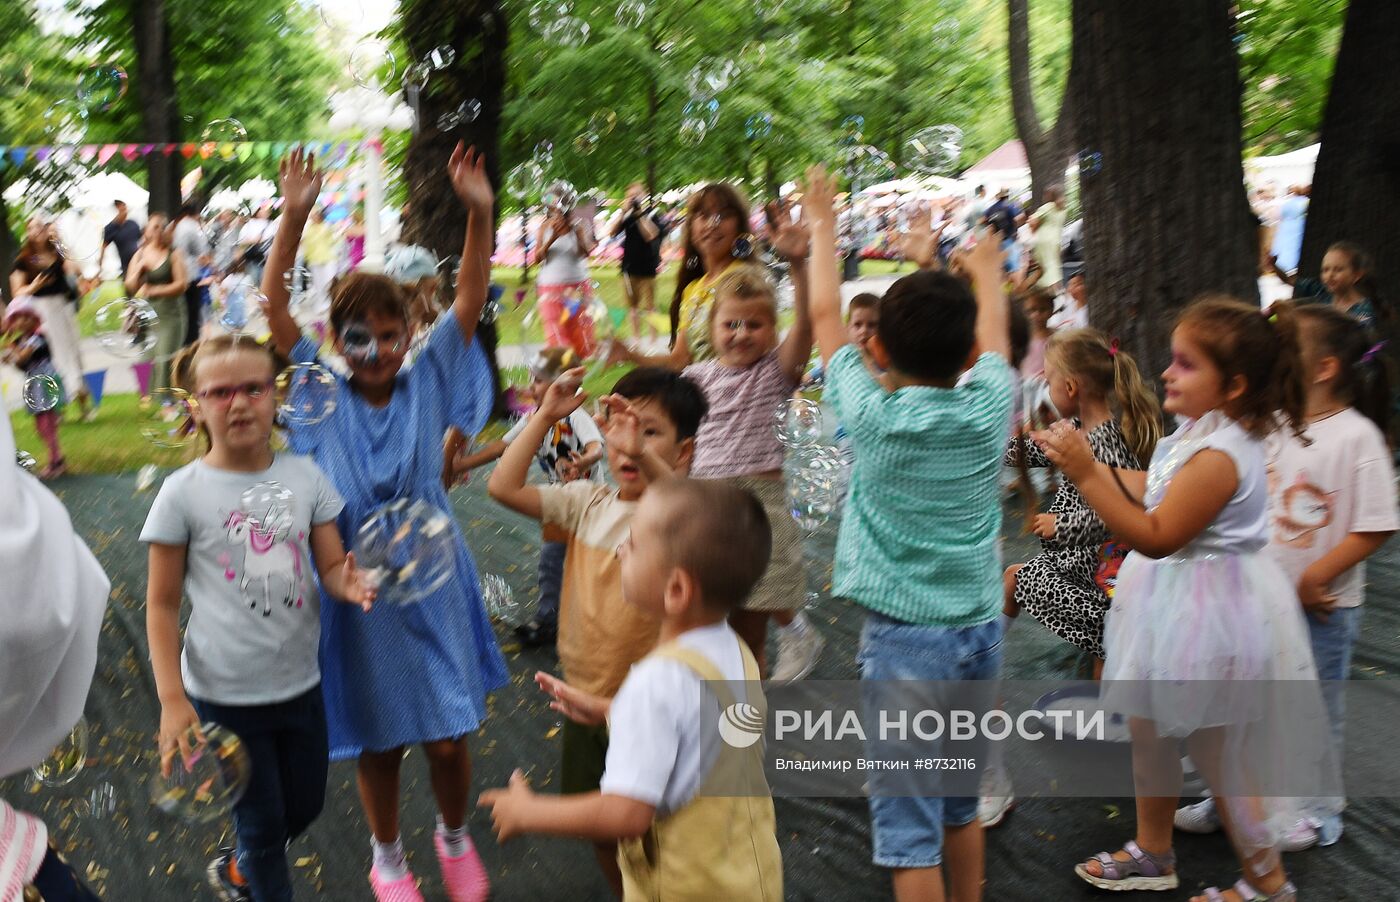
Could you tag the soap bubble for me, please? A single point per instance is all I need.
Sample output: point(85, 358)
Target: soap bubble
point(500, 600)
point(934, 151)
point(701, 110)
point(852, 130)
point(823, 467)
point(543, 14)
point(467, 112)
point(101, 86)
point(372, 63)
point(567, 31)
point(868, 165)
point(147, 477)
point(693, 131)
point(440, 57)
point(206, 786)
point(1090, 163)
point(407, 550)
point(631, 13)
point(297, 281)
point(65, 122)
point(798, 422)
point(490, 312)
point(561, 194)
point(757, 126)
point(543, 156)
point(809, 502)
point(42, 393)
point(167, 419)
point(710, 76)
point(268, 506)
point(239, 302)
point(224, 131)
point(62, 765)
point(101, 802)
point(25, 461)
point(307, 392)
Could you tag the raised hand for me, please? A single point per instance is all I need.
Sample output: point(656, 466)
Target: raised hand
point(920, 242)
point(791, 240)
point(467, 171)
point(622, 428)
point(819, 198)
point(300, 181)
point(987, 259)
point(563, 396)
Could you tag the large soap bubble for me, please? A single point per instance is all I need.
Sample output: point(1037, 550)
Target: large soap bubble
point(407, 550)
point(207, 785)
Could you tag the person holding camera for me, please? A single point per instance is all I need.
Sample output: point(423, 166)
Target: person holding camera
point(642, 232)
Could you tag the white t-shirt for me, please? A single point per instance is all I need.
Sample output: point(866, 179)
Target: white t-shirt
point(1069, 316)
point(657, 752)
point(255, 612)
point(574, 433)
point(1342, 483)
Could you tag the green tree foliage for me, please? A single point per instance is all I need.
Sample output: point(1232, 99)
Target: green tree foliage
point(1287, 51)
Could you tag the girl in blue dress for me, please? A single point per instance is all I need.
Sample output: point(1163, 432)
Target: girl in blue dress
point(414, 673)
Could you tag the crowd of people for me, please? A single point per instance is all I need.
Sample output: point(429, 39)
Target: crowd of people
point(1206, 566)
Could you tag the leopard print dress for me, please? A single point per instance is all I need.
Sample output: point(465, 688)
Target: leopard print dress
point(1057, 586)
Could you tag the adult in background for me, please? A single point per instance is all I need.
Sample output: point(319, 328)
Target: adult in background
point(1288, 236)
point(318, 251)
point(223, 241)
point(159, 274)
point(190, 240)
point(355, 239)
point(41, 274)
point(642, 232)
point(125, 233)
point(562, 283)
point(1048, 223)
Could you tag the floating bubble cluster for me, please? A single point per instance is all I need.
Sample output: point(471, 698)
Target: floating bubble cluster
point(798, 422)
point(407, 549)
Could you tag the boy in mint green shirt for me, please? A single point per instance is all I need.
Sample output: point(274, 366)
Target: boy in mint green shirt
point(918, 542)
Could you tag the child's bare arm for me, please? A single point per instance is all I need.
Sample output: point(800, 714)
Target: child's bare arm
point(164, 589)
point(985, 264)
point(517, 810)
point(467, 170)
point(508, 481)
point(818, 208)
point(301, 185)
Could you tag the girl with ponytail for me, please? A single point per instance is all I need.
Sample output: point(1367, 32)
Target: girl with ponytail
point(1098, 387)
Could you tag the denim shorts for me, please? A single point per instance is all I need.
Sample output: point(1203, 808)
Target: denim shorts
point(907, 831)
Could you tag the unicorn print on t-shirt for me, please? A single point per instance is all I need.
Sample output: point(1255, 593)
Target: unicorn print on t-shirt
point(271, 565)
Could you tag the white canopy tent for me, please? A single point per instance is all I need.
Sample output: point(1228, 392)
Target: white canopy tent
point(1284, 169)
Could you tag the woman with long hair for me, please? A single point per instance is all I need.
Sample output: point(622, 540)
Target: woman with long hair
point(714, 239)
point(41, 274)
point(159, 274)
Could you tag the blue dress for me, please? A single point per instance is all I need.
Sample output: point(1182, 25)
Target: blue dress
point(404, 674)
point(1288, 239)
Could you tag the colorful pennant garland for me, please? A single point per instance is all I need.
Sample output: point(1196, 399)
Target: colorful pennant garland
point(63, 154)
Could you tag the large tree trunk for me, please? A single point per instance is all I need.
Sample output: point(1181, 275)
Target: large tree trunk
point(477, 30)
point(1357, 180)
point(1047, 150)
point(1157, 102)
point(160, 115)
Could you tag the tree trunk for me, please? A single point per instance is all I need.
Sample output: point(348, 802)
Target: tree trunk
point(1156, 100)
point(160, 115)
point(476, 29)
point(1357, 179)
point(1047, 150)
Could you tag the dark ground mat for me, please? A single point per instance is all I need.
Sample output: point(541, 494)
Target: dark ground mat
point(138, 853)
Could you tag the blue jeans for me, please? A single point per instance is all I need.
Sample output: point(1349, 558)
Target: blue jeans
point(907, 830)
point(58, 882)
point(289, 756)
point(551, 580)
point(1332, 644)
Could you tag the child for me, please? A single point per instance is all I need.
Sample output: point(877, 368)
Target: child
point(52, 609)
point(414, 673)
point(1332, 505)
point(29, 351)
point(750, 377)
point(1039, 306)
point(249, 657)
point(569, 452)
point(862, 319)
point(1074, 313)
point(692, 825)
point(918, 545)
point(1206, 639)
point(600, 637)
point(1088, 378)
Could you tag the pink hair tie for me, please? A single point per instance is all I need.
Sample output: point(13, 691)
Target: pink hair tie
point(1113, 348)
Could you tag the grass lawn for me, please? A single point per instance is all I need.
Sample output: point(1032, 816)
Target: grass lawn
point(113, 443)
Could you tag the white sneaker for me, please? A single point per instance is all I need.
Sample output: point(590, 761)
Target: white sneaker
point(798, 650)
point(1198, 818)
point(1304, 835)
point(996, 798)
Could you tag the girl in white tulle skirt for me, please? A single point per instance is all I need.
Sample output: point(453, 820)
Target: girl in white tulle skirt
point(1206, 642)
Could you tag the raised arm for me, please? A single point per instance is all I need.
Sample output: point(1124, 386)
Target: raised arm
point(508, 481)
point(985, 264)
point(792, 242)
point(467, 170)
point(301, 185)
point(818, 209)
